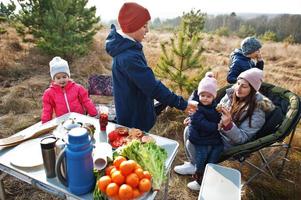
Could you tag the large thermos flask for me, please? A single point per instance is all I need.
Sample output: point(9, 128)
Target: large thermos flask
point(79, 162)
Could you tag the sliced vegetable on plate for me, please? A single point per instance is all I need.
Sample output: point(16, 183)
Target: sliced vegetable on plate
point(122, 135)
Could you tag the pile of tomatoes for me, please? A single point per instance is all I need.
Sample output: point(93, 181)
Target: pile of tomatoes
point(124, 180)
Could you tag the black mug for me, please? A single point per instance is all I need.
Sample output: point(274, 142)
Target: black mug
point(48, 154)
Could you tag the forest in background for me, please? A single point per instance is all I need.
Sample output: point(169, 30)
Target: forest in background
point(276, 28)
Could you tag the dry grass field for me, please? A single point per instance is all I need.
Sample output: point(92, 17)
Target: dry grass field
point(24, 75)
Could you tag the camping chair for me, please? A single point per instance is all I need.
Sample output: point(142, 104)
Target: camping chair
point(280, 123)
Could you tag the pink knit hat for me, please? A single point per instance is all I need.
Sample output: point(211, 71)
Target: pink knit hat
point(254, 76)
point(132, 17)
point(208, 84)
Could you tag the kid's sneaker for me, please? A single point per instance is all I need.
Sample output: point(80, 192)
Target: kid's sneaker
point(186, 169)
point(194, 185)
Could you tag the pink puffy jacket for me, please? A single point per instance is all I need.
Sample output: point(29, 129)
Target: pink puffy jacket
point(72, 98)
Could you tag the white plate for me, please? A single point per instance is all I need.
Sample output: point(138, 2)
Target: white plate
point(27, 154)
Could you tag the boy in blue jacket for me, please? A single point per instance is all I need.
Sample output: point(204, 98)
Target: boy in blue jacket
point(134, 84)
point(203, 132)
point(247, 57)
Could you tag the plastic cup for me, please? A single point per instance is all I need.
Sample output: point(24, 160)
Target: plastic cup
point(101, 153)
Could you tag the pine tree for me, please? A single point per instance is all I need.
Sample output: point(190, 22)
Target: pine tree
point(63, 27)
point(194, 22)
point(178, 58)
point(32, 13)
point(7, 11)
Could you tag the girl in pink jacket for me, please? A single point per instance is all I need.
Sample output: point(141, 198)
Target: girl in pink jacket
point(64, 95)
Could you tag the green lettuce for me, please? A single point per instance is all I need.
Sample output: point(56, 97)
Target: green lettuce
point(150, 156)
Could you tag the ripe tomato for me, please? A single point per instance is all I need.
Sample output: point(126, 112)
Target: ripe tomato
point(127, 167)
point(117, 177)
point(147, 175)
point(136, 193)
point(125, 192)
point(138, 166)
point(103, 182)
point(139, 173)
point(145, 185)
point(112, 189)
point(133, 164)
point(108, 169)
point(113, 170)
point(132, 180)
point(118, 160)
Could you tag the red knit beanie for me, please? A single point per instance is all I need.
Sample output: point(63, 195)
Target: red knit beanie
point(132, 17)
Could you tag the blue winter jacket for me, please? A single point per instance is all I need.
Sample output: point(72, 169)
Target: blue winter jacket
point(240, 63)
point(203, 128)
point(134, 84)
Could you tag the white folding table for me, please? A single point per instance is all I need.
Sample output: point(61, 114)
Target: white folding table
point(36, 175)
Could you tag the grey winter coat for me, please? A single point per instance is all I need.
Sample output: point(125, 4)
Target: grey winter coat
point(242, 133)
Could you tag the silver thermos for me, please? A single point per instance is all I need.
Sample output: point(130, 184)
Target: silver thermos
point(48, 154)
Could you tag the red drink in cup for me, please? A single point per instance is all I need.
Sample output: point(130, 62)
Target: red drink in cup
point(103, 117)
point(103, 121)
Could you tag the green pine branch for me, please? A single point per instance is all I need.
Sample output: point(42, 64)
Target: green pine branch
point(182, 54)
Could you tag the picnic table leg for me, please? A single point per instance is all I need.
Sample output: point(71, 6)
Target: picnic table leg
point(165, 195)
point(2, 191)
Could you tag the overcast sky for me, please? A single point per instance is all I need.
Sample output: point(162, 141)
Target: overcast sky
point(108, 9)
point(169, 9)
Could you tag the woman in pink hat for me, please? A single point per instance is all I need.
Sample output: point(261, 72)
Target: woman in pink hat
point(243, 109)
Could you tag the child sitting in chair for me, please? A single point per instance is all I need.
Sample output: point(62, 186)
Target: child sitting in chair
point(203, 132)
point(64, 95)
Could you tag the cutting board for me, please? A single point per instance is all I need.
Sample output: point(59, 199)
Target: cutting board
point(17, 139)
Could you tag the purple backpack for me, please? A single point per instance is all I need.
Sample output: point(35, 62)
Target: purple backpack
point(100, 85)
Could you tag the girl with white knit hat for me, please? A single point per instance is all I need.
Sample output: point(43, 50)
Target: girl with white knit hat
point(64, 95)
